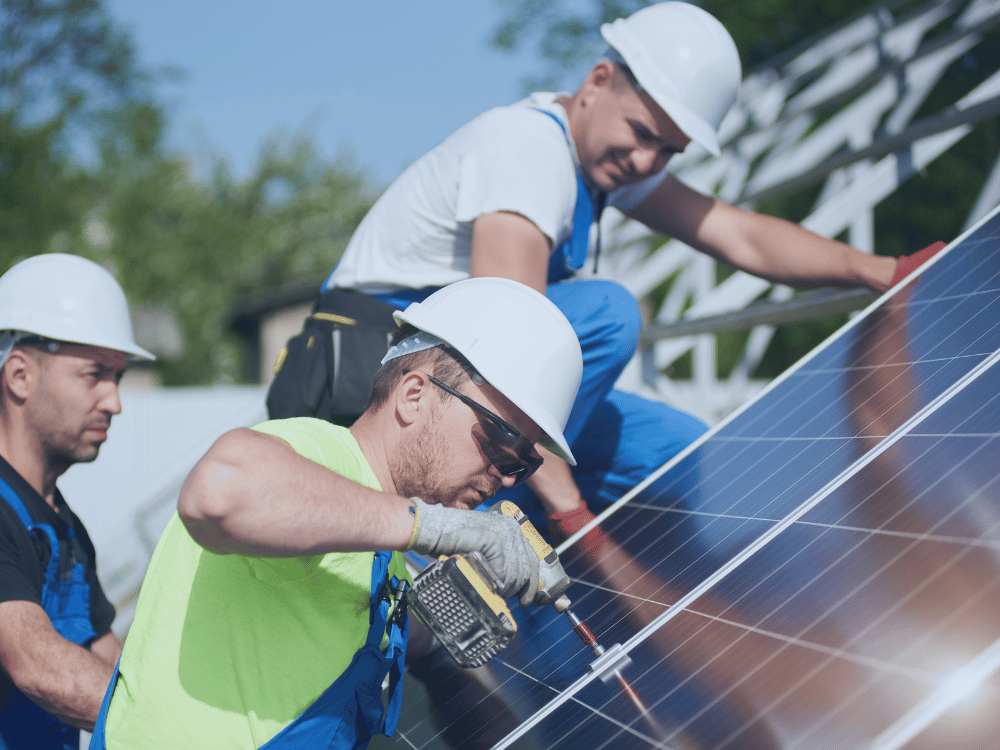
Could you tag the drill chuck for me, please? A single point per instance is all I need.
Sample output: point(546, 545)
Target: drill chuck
point(552, 579)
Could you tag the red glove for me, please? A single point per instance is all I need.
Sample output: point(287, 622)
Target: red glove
point(907, 264)
point(564, 525)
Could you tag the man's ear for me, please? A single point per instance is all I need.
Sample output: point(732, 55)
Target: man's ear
point(599, 77)
point(411, 397)
point(19, 374)
point(602, 73)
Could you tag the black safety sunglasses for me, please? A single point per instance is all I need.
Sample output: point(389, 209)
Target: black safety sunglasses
point(507, 449)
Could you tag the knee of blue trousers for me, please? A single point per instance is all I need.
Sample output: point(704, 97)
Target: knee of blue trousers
point(627, 439)
point(607, 321)
point(605, 316)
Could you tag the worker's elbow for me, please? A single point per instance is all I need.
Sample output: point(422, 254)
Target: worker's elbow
point(204, 516)
point(203, 496)
point(203, 519)
point(210, 494)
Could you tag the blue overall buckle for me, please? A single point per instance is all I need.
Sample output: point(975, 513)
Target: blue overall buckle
point(396, 595)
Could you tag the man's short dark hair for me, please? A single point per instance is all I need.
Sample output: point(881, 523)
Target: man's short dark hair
point(444, 363)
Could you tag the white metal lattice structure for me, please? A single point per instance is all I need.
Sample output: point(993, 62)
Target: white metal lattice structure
point(874, 73)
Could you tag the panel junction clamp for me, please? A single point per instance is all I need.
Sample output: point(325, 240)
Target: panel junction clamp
point(609, 665)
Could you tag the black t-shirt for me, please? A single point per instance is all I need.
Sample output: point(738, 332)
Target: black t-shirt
point(22, 574)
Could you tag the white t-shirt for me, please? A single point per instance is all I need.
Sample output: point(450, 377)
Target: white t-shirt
point(511, 158)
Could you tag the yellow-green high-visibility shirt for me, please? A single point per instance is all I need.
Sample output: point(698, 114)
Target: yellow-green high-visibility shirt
point(225, 651)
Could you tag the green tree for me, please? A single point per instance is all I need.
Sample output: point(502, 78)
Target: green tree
point(194, 249)
point(84, 169)
point(64, 69)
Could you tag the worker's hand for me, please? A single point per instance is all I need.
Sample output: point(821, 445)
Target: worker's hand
point(907, 264)
point(448, 531)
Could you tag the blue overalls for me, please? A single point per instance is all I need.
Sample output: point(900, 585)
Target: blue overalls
point(618, 438)
point(66, 600)
point(349, 712)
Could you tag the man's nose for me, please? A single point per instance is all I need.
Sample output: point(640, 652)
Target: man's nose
point(644, 160)
point(111, 401)
point(506, 481)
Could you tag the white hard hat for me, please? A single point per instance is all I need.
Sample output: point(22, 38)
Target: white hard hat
point(67, 298)
point(517, 340)
point(685, 59)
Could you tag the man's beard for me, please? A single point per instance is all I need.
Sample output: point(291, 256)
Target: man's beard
point(424, 460)
point(61, 457)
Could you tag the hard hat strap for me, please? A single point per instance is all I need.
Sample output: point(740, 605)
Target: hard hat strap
point(10, 339)
point(612, 56)
point(418, 342)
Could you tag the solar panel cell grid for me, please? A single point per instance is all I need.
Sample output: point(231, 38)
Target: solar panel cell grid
point(837, 562)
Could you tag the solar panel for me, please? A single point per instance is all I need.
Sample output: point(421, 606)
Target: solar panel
point(832, 579)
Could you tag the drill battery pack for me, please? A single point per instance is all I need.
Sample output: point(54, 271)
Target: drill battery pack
point(456, 600)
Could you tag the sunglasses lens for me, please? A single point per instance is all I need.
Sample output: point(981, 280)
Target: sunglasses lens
point(512, 455)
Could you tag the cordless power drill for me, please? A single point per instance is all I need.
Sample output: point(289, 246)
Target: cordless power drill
point(457, 598)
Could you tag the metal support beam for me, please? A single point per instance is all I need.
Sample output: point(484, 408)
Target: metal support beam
point(816, 303)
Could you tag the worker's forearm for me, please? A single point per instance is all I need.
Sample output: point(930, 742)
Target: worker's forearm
point(63, 678)
point(73, 689)
point(784, 252)
point(765, 246)
point(107, 648)
point(253, 495)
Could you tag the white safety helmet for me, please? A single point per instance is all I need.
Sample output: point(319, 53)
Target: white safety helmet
point(67, 298)
point(517, 340)
point(685, 59)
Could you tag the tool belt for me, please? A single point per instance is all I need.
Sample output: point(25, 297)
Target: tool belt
point(327, 370)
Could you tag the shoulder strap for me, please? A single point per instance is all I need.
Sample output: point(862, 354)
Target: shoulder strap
point(557, 121)
point(15, 502)
point(586, 212)
point(42, 534)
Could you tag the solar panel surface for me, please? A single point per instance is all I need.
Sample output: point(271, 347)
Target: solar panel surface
point(830, 581)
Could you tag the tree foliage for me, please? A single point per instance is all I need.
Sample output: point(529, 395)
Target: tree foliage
point(65, 61)
point(63, 68)
point(197, 248)
point(84, 169)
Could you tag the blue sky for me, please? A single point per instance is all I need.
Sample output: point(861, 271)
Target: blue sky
point(385, 79)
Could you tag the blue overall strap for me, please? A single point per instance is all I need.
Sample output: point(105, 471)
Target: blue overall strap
point(66, 601)
point(97, 739)
point(66, 593)
point(14, 501)
point(572, 254)
point(350, 712)
point(397, 628)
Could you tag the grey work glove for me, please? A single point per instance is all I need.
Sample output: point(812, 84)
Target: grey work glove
point(448, 531)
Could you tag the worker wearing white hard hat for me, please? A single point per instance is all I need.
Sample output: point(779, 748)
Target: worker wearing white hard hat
point(515, 193)
point(267, 617)
point(65, 342)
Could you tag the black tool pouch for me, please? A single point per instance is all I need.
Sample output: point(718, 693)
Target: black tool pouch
point(327, 370)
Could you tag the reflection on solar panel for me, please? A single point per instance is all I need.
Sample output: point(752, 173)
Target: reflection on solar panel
point(832, 582)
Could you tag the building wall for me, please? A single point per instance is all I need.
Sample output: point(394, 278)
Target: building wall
point(275, 330)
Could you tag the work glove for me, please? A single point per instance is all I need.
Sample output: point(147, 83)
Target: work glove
point(907, 264)
point(448, 531)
